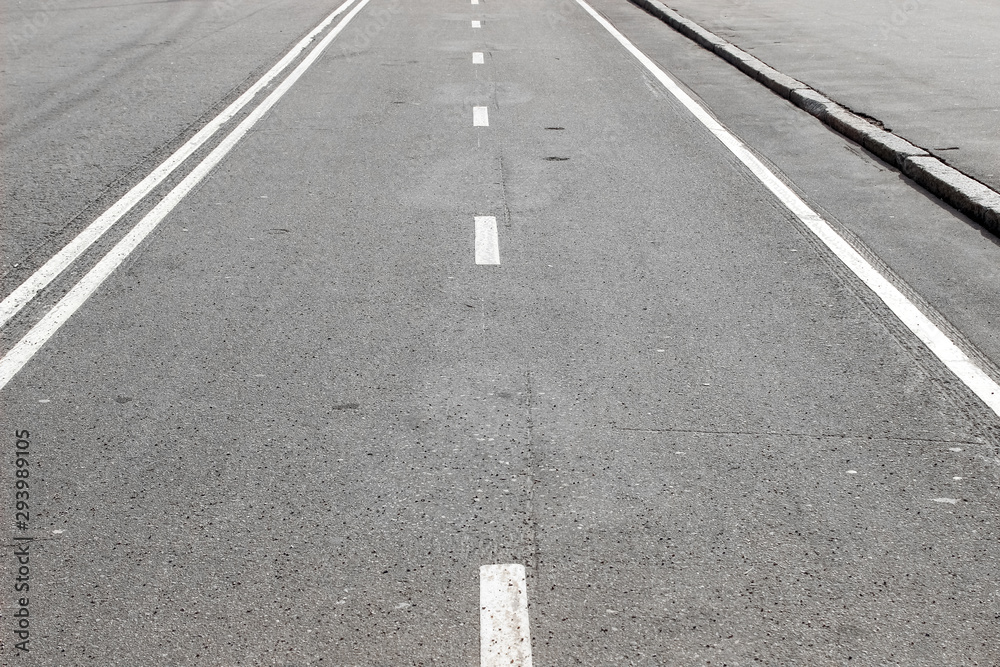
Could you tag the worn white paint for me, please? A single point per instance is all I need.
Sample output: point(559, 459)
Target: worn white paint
point(504, 637)
point(487, 242)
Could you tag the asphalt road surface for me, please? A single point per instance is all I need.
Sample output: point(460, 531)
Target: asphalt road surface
point(479, 321)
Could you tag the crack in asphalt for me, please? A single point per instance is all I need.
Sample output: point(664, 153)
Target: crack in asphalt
point(842, 436)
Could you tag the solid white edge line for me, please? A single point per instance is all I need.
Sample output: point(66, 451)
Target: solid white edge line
point(480, 117)
point(56, 264)
point(25, 348)
point(504, 636)
point(915, 320)
point(477, 58)
point(487, 243)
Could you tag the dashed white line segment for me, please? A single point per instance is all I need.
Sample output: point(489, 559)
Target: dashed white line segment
point(487, 243)
point(477, 58)
point(480, 117)
point(504, 636)
point(58, 263)
point(39, 334)
point(981, 384)
point(477, 24)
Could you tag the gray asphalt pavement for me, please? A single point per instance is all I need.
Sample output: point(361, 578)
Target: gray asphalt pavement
point(930, 71)
point(295, 422)
point(96, 94)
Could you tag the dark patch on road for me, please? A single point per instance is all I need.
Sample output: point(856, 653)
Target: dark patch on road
point(346, 406)
point(556, 158)
point(871, 119)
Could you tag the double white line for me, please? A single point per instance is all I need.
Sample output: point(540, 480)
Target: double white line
point(19, 355)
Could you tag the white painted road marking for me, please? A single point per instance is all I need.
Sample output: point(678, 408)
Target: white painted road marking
point(504, 638)
point(477, 58)
point(487, 245)
point(477, 24)
point(936, 340)
point(475, 2)
point(62, 259)
point(480, 117)
point(32, 341)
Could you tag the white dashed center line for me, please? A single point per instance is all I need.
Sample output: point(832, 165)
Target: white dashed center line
point(487, 245)
point(477, 58)
point(504, 639)
point(480, 117)
point(477, 24)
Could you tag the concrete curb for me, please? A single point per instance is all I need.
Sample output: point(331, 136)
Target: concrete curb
point(947, 183)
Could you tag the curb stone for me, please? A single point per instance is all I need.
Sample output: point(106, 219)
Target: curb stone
point(964, 193)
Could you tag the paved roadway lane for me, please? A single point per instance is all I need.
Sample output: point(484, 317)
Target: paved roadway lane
point(949, 261)
point(96, 94)
point(296, 422)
